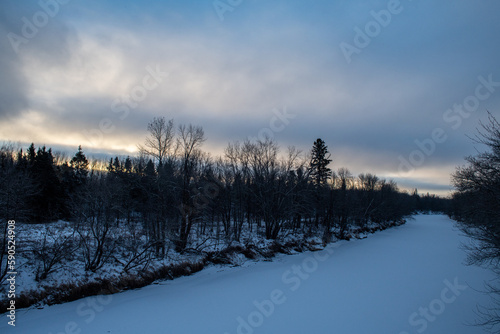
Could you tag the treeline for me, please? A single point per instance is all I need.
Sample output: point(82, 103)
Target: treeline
point(177, 192)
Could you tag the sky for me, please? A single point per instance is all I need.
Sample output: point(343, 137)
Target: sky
point(394, 88)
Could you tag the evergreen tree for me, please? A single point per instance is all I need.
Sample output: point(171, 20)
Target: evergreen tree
point(31, 154)
point(116, 165)
point(110, 167)
point(320, 159)
point(128, 165)
point(50, 202)
point(80, 165)
point(21, 161)
point(150, 169)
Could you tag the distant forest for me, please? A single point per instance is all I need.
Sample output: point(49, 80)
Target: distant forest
point(174, 187)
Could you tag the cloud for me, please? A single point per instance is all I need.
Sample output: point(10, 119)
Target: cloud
point(13, 84)
point(47, 44)
point(229, 75)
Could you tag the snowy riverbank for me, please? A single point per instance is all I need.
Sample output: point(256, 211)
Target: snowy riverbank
point(408, 279)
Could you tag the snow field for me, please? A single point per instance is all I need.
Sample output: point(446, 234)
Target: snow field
point(409, 279)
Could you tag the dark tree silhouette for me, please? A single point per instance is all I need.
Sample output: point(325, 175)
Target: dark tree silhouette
point(80, 166)
point(50, 202)
point(320, 159)
point(159, 143)
point(477, 206)
point(478, 192)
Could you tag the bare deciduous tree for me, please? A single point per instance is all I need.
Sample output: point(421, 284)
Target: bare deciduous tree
point(52, 250)
point(477, 207)
point(478, 191)
point(189, 141)
point(94, 223)
point(345, 182)
point(159, 143)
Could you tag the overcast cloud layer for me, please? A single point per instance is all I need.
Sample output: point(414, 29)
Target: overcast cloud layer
point(96, 72)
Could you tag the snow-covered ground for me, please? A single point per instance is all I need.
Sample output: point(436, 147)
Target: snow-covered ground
point(405, 280)
point(71, 269)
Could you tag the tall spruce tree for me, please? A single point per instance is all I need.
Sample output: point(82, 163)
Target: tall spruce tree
point(31, 154)
point(80, 165)
point(320, 159)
